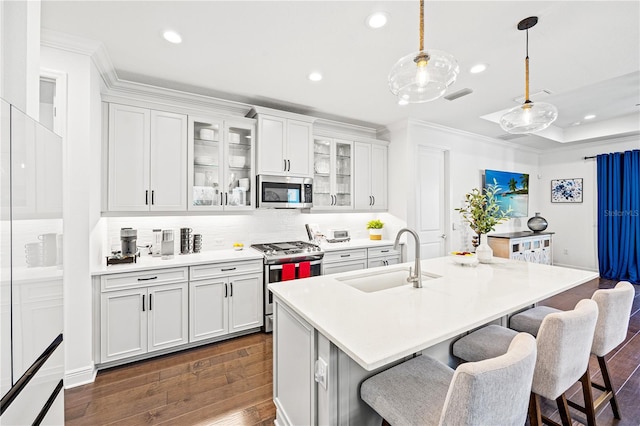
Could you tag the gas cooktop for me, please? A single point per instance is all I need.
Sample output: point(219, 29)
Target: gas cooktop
point(290, 251)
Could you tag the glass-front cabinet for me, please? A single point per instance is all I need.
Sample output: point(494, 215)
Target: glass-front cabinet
point(333, 174)
point(221, 164)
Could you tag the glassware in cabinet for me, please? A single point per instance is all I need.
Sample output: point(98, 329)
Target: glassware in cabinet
point(205, 169)
point(239, 174)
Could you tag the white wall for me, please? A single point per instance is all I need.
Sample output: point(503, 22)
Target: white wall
point(20, 55)
point(81, 189)
point(220, 231)
point(469, 156)
point(575, 225)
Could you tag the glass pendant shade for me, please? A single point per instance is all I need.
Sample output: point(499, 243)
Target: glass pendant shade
point(423, 76)
point(529, 117)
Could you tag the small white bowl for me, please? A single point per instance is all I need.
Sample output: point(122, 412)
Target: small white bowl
point(465, 260)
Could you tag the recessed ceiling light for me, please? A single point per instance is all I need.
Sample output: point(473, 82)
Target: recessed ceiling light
point(315, 76)
point(589, 117)
point(478, 68)
point(172, 37)
point(576, 123)
point(377, 20)
point(403, 102)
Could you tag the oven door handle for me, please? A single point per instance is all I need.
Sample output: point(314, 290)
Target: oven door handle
point(313, 262)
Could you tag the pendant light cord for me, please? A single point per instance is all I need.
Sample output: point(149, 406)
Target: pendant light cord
point(526, 72)
point(421, 26)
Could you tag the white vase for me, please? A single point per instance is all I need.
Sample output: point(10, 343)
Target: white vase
point(375, 234)
point(484, 251)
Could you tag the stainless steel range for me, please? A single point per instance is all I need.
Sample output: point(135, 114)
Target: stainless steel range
point(287, 261)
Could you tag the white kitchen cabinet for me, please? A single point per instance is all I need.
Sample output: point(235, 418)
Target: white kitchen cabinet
point(225, 298)
point(285, 145)
point(147, 160)
point(221, 164)
point(370, 176)
point(142, 312)
point(344, 261)
point(382, 256)
point(333, 177)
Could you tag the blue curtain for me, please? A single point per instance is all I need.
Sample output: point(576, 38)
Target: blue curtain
point(619, 216)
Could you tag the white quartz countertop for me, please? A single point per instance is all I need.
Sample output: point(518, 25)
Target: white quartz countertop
point(149, 262)
point(354, 244)
point(381, 327)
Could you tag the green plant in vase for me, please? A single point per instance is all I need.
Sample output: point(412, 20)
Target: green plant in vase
point(482, 212)
point(375, 229)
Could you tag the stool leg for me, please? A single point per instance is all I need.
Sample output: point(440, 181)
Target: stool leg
point(587, 393)
point(563, 410)
point(609, 386)
point(535, 416)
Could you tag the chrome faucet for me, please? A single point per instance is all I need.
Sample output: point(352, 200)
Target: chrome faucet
point(416, 278)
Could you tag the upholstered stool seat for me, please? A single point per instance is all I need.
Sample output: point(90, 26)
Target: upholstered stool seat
point(614, 310)
point(423, 391)
point(564, 342)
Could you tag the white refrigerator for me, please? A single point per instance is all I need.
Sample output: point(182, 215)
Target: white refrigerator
point(31, 273)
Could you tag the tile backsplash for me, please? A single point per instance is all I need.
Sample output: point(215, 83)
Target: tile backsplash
point(222, 230)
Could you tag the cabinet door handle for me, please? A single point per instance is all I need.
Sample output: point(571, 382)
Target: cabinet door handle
point(150, 301)
point(374, 200)
point(288, 165)
point(384, 251)
point(148, 279)
point(226, 198)
point(143, 303)
point(345, 255)
point(370, 200)
point(285, 165)
point(385, 263)
point(146, 197)
point(153, 197)
point(231, 290)
point(225, 290)
point(228, 269)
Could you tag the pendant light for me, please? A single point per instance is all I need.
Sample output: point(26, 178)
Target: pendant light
point(530, 117)
point(423, 76)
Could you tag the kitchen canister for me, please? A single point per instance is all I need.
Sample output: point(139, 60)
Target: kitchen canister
point(537, 223)
point(197, 243)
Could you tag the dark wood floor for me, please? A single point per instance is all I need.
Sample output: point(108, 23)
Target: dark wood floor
point(231, 382)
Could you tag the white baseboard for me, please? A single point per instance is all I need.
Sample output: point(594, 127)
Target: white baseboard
point(80, 376)
point(582, 268)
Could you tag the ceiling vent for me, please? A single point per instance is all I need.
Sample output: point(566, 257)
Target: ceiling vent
point(510, 137)
point(535, 96)
point(460, 93)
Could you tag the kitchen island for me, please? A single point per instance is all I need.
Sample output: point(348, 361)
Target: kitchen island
point(330, 334)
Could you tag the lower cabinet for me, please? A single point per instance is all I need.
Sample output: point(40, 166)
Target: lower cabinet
point(219, 306)
point(163, 310)
point(141, 320)
point(355, 259)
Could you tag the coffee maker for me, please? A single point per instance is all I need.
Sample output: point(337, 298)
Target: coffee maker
point(128, 248)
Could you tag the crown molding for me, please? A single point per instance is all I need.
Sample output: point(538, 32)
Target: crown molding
point(486, 139)
point(337, 129)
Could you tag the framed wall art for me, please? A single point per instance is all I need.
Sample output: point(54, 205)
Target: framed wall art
point(513, 191)
point(566, 190)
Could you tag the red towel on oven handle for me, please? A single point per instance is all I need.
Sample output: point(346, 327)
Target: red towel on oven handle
point(288, 271)
point(304, 270)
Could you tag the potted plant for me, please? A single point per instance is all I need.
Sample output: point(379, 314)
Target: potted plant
point(482, 212)
point(375, 229)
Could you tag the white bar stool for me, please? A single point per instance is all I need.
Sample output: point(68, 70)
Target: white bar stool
point(614, 311)
point(423, 391)
point(564, 342)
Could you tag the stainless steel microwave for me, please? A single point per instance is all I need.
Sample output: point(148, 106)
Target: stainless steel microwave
point(284, 192)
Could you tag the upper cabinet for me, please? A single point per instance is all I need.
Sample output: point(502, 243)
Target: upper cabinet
point(370, 171)
point(285, 144)
point(333, 176)
point(221, 164)
point(147, 160)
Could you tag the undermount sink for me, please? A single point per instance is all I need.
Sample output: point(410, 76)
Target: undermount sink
point(370, 282)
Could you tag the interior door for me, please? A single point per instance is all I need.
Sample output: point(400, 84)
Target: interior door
point(431, 203)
